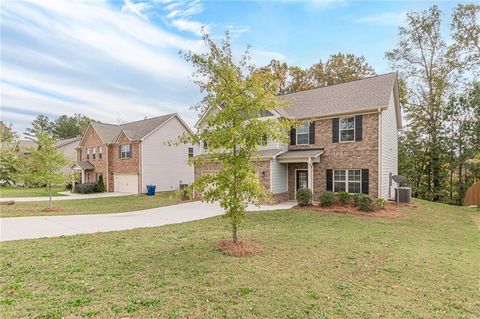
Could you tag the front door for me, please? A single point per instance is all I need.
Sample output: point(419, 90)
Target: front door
point(302, 179)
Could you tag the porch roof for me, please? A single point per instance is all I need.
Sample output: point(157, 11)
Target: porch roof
point(293, 156)
point(260, 155)
point(83, 165)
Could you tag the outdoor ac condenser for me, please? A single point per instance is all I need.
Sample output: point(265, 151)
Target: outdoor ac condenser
point(403, 194)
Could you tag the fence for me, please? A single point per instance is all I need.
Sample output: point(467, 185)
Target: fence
point(473, 195)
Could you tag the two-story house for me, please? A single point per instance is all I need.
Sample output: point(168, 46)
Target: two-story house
point(348, 140)
point(133, 155)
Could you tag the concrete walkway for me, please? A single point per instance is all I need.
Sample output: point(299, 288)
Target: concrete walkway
point(14, 228)
point(68, 196)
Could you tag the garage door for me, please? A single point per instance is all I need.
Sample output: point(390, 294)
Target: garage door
point(126, 183)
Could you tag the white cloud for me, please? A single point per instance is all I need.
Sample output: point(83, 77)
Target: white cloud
point(263, 57)
point(383, 18)
point(191, 26)
point(86, 57)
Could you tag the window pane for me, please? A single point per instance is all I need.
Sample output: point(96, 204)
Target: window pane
point(339, 175)
point(354, 187)
point(354, 175)
point(347, 123)
point(303, 129)
point(302, 138)
point(339, 186)
point(347, 135)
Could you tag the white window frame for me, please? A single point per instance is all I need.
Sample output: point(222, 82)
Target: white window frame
point(190, 152)
point(100, 152)
point(94, 152)
point(88, 153)
point(346, 129)
point(346, 181)
point(125, 153)
point(307, 126)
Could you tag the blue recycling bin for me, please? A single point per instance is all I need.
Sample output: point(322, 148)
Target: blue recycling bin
point(151, 190)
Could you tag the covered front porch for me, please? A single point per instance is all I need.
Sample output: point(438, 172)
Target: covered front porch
point(82, 170)
point(301, 166)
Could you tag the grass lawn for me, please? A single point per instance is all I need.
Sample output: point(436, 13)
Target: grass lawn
point(30, 192)
point(313, 265)
point(91, 206)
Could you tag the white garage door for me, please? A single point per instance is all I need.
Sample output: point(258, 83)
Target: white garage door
point(126, 183)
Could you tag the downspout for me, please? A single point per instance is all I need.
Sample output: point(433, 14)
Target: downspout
point(108, 172)
point(140, 166)
point(380, 143)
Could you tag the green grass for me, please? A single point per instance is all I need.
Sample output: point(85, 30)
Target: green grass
point(313, 265)
point(30, 192)
point(91, 206)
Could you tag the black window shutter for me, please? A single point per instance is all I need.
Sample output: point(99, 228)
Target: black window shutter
point(358, 128)
point(312, 133)
point(293, 136)
point(329, 180)
point(335, 129)
point(365, 181)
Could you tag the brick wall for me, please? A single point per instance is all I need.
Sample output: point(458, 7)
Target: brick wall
point(117, 165)
point(347, 155)
point(92, 140)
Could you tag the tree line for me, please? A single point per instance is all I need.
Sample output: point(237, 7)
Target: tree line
point(439, 149)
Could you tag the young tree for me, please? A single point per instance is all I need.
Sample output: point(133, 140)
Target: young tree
point(422, 63)
point(233, 134)
point(46, 162)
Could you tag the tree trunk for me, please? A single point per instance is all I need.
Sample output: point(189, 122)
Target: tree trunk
point(234, 234)
point(50, 204)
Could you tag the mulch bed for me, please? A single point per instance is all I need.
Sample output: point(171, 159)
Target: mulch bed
point(53, 209)
point(391, 210)
point(239, 249)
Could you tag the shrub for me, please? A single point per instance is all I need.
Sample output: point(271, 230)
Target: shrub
point(357, 198)
point(381, 202)
point(304, 197)
point(343, 198)
point(100, 185)
point(185, 193)
point(327, 199)
point(366, 203)
point(85, 188)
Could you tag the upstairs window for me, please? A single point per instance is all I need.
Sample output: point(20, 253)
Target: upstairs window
point(347, 129)
point(190, 152)
point(302, 134)
point(100, 152)
point(94, 152)
point(88, 153)
point(79, 155)
point(126, 151)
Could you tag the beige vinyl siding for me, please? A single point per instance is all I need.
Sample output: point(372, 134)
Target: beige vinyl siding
point(389, 147)
point(279, 175)
point(70, 152)
point(163, 165)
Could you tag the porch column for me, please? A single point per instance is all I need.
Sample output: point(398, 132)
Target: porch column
point(310, 174)
point(83, 176)
point(74, 173)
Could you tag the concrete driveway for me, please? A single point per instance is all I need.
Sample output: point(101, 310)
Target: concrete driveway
point(68, 196)
point(14, 228)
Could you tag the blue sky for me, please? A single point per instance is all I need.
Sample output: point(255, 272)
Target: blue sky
point(118, 61)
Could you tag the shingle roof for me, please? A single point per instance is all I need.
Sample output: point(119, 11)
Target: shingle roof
point(262, 154)
point(359, 95)
point(84, 165)
point(134, 130)
point(68, 141)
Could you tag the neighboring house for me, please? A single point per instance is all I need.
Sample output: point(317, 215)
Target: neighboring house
point(348, 140)
point(133, 155)
point(69, 148)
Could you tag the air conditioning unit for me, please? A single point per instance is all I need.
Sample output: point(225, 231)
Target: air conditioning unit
point(403, 194)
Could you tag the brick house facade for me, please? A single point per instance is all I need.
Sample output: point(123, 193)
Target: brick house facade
point(347, 141)
point(133, 155)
